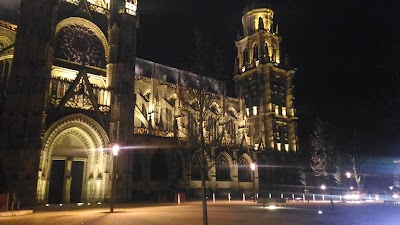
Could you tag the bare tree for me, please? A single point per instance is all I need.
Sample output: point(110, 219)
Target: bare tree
point(358, 163)
point(205, 131)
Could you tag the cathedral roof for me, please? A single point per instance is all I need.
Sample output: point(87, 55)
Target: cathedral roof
point(256, 4)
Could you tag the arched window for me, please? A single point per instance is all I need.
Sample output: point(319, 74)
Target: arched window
point(192, 125)
point(144, 112)
point(159, 168)
point(244, 171)
point(137, 168)
point(245, 57)
point(4, 72)
point(255, 52)
point(178, 167)
point(266, 50)
point(223, 170)
point(196, 166)
point(273, 58)
point(262, 170)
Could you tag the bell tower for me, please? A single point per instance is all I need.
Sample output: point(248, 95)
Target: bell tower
point(120, 80)
point(263, 82)
point(23, 112)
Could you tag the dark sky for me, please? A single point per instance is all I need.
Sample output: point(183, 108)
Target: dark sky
point(347, 55)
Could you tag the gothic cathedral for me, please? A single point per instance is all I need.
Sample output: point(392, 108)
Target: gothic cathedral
point(71, 88)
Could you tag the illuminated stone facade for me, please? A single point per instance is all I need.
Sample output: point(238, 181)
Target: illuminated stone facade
point(85, 90)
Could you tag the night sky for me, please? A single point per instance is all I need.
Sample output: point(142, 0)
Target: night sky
point(347, 55)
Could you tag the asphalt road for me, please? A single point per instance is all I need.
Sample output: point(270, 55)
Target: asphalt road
point(221, 213)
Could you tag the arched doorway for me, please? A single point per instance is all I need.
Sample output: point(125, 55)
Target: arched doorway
point(75, 162)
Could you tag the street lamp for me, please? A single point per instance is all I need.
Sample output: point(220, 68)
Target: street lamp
point(115, 150)
point(253, 168)
point(323, 187)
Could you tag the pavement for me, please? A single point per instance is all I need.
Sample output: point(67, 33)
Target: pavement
point(219, 213)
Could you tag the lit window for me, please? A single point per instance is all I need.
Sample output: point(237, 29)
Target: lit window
point(254, 110)
point(283, 111)
point(278, 145)
point(287, 147)
point(277, 109)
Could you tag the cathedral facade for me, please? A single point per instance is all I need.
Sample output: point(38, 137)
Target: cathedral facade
point(72, 87)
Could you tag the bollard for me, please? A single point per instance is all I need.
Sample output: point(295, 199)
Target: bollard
point(214, 197)
point(340, 197)
point(281, 195)
point(293, 197)
point(229, 197)
point(323, 198)
point(313, 197)
point(304, 198)
point(257, 195)
point(244, 197)
point(270, 196)
point(179, 199)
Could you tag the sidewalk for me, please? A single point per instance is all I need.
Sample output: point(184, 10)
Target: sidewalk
point(16, 213)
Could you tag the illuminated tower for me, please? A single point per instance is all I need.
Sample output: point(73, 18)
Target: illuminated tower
point(264, 83)
point(120, 80)
point(23, 112)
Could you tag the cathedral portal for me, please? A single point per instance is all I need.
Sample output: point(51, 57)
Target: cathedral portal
point(75, 162)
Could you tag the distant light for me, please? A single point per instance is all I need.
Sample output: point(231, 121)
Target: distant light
point(391, 187)
point(88, 203)
point(60, 204)
point(395, 196)
point(79, 204)
point(352, 188)
point(47, 205)
point(99, 203)
point(323, 187)
point(348, 174)
point(319, 212)
point(272, 207)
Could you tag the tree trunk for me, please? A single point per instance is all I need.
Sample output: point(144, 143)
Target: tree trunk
point(203, 196)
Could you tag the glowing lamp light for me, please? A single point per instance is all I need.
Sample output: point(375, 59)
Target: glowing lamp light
point(348, 174)
point(319, 212)
point(115, 150)
point(391, 187)
point(253, 166)
point(323, 187)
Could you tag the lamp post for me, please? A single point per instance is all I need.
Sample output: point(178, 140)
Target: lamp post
point(115, 150)
point(323, 187)
point(253, 168)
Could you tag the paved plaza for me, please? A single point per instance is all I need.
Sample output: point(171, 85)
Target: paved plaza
point(220, 213)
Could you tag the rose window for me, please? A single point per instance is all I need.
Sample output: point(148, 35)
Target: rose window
point(79, 44)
